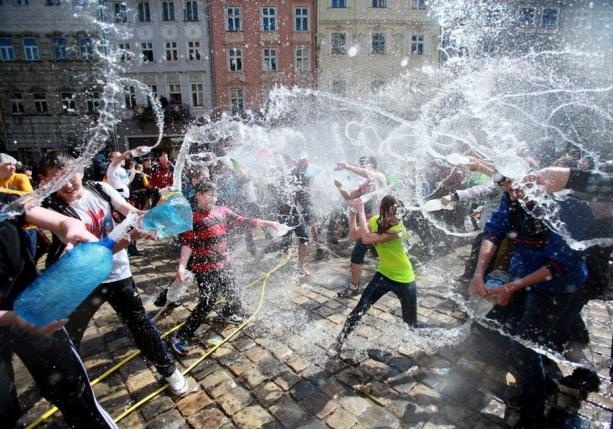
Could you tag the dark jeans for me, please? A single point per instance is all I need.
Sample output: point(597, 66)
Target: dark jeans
point(125, 300)
point(210, 286)
point(58, 372)
point(359, 252)
point(378, 286)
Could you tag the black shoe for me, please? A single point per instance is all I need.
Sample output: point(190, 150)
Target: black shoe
point(583, 380)
point(162, 298)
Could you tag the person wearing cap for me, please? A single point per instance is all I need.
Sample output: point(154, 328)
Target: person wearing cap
point(12, 182)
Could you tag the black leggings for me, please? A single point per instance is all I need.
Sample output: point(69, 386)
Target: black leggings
point(58, 372)
point(210, 286)
point(378, 286)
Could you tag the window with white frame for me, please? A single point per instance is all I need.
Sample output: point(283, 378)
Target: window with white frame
point(174, 92)
point(270, 60)
point(40, 102)
point(191, 11)
point(17, 107)
point(339, 87)
point(68, 102)
point(30, 47)
point(493, 16)
point(171, 51)
point(269, 19)
point(301, 17)
point(92, 100)
point(378, 43)
point(193, 50)
point(379, 4)
point(526, 16)
point(144, 11)
point(146, 50)
point(197, 95)
point(338, 4)
point(338, 43)
point(121, 12)
point(22, 2)
point(418, 4)
point(154, 93)
point(7, 52)
point(582, 19)
point(235, 60)
point(549, 18)
point(59, 49)
point(417, 44)
point(52, 2)
point(125, 53)
point(301, 59)
point(236, 100)
point(233, 19)
point(129, 97)
point(168, 11)
point(86, 47)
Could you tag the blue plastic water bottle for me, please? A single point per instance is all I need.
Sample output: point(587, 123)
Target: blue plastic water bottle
point(496, 278)
point(64, 285)
point(170, 218)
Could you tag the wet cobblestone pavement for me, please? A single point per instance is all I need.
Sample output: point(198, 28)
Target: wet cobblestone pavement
point(276, 373)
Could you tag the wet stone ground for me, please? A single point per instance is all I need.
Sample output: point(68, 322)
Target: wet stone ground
point(275, 373)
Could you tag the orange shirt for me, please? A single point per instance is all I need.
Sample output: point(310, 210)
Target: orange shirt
point(16, 183)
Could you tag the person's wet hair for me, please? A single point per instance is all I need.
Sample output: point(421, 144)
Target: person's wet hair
point(205, 186)
point(389, 204)
point(54, 160)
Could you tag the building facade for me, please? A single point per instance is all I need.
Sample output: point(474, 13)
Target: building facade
point(364, 44)
point(258, 44)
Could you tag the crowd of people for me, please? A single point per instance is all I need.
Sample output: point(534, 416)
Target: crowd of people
point(549, 282)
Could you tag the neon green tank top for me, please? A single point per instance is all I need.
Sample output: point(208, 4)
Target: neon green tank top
point(393, 259)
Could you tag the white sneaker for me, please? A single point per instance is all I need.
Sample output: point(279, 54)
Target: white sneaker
point(178, 383)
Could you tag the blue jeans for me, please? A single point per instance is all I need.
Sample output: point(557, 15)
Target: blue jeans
point(378, 286)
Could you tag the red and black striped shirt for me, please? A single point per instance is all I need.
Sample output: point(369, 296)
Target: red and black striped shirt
point(208, 240)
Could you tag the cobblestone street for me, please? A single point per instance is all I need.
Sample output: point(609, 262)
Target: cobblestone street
point(276, 373)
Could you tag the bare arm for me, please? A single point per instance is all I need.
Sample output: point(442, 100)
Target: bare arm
point(354, 232)
point(123, 156)
point(366, 236)
point(69, 230)
point(355, 169)
point(486, 253)
point(503, 293)
point(186, 253)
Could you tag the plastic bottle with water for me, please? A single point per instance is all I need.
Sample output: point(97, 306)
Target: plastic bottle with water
point(60, 289)
point(495, 279)
point(140, 151)
point(179, 290)
point(480, 306)
point(173, 216)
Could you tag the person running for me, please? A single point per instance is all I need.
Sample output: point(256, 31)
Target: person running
point(92, 203)
point(204, 250)
point(47, 352)
point(374, 181)
point(394, 272)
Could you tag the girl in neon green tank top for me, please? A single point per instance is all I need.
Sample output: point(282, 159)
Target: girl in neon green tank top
point(394, 272)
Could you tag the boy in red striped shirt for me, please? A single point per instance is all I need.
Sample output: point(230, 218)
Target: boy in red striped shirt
point(205, 251)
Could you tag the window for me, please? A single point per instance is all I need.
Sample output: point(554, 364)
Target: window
point(301, 59)
point(270, 60)
point(335, 4)
point(168, 11)
point(30, 46)
point(338, 43)
point(269, 19)
point(549, 18)
point(236, 100)
point(86, 48)
point(171, 51)
point(493, 17)
point(7, 53)
point(379, 3)
point(339, 87)
point(16, 99)
point(154, 93)
point(418, 4)
point(121, 12)
point(193, 50)
point(191, 11)
point(606, 18)
point(526, 16)
point(233, 19)
point(378, 43)
point(144, 12)
point(146, 50)
point(125, 54)
point(130, 97)
point(302, 19)
point(235, 60)
point(377, 85)
point(68, 102)
point(92, 99)
point(22, 2)
point(175, 93)
point(582, 19)
point(417, 44)
point(40, 102)
point(52, 2)
point(59, 49)
point(197, 95)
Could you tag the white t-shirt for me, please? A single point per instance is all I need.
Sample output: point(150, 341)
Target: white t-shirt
point(119, 179)
point(95, 213)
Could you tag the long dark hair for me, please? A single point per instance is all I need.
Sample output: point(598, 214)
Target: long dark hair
point(388, 203)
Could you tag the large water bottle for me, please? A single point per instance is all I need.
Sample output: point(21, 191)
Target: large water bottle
point(178, 290)
point(64, 285)
point(173, 216)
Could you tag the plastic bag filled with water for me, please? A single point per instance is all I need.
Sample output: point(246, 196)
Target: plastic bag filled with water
point(170, 218)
